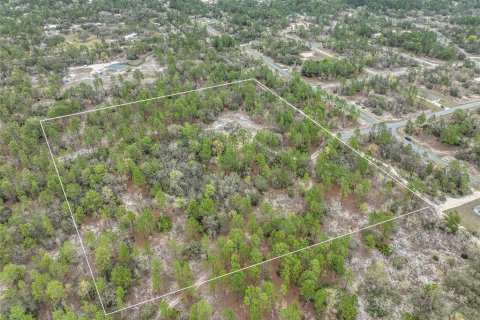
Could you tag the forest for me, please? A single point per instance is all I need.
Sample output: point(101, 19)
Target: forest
point(228, 200)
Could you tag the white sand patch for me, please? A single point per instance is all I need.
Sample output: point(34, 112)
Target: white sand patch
point(76, 154)
point(96, 67)
point(231, 121)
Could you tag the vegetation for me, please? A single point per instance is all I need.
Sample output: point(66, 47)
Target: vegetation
point(462, 129)
point(286, 52)
point(331, 67)
point(165, 194)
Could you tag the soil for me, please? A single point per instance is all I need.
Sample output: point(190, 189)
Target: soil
point(470, 220)
point(333, 194)
point(312, 55)
point(431, 143)
point(228, 121)
point(418, 246)
point(295, 204)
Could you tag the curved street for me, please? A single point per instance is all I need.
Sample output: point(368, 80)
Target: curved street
point(393, 126)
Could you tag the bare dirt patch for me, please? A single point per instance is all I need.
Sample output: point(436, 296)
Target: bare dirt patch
point(431, 143)
point(431, 254)
point(231, 121)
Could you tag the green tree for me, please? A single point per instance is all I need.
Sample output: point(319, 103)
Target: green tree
point(451, 221)
point(167, 312)
point(92, 201)
point(160, 199)
point(259, 299)
point(291, 312)
point(39, 285)
point(137, 176)
point(13, 273)
point(119, 295)
point(201, 311)
point(103, 256)
point(238, 284)
point(321, 300)
point(121, 277)
point(145, 222)
point(229, 314)
point(157, 279)
point(347, 307)
point(55, 292)
point(18, 312)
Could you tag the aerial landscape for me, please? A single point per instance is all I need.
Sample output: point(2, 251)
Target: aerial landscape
point(240, 159)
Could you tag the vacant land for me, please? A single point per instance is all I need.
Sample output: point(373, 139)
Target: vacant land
point(168, 193)
point(470, 220)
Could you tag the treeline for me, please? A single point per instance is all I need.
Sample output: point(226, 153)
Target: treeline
point(473, 21)
point(421, 42)
point(286, 52)
point(385, 94)
point(401, 6)
point(424, 176)
point(462, 129)
point(332, 68)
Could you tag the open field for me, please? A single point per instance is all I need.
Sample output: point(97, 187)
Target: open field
point(470, 220)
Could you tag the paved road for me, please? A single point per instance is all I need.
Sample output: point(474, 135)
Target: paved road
point(313, 46)
point(269, 62)
point(394, 126)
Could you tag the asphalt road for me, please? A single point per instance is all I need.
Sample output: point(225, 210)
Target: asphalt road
point(269, 62)
point(393, 126)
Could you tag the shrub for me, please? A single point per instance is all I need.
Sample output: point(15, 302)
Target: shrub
point(164, 223)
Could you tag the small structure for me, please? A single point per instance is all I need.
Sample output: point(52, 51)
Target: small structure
point(117, 67)
point(114, 67)
point(477, 209)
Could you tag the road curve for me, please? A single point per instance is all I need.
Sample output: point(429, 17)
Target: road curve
point(393, 126)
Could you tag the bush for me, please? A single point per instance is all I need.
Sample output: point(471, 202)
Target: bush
point(399, 262)
point(261, 183)
point(254, 198)
point(451, 221)
point(193, 251)
point(280, 179)
point(164, 223)
point(385, 249)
